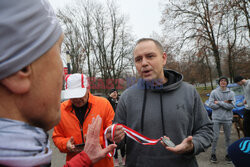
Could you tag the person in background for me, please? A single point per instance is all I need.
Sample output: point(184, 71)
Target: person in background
point(113, 99)
point(77, 114)
point(161, 104)
point(239, 151)
point(246, 118)
point(221, 102)
point(31, 77)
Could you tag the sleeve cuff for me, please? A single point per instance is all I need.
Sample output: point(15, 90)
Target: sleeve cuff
point(80, 160)
point(85, 157)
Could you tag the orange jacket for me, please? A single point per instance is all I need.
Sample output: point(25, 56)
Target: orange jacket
point(70, 125)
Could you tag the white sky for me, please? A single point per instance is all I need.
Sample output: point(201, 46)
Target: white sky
point(144, 15)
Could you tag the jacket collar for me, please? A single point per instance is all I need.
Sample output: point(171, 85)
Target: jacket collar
point(174, 78)
point(23, 144)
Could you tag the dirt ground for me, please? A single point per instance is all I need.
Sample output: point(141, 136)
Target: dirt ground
point(58, 159)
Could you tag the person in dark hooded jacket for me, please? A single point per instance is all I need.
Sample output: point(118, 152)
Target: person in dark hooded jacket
point(113, 98)
point(161, 104)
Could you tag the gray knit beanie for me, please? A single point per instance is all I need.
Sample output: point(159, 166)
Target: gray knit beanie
point(28, 29)
point(223, 77)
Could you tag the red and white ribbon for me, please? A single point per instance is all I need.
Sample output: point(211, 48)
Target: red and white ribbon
point(130, 133)
point(112, 136)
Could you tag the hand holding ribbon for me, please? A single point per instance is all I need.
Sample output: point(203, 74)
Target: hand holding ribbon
point(117, 133)
point(110, 133)
point(118, 136)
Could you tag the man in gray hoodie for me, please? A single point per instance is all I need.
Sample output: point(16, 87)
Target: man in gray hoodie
point(161, 104)
point(246, 87)
point(221, 101)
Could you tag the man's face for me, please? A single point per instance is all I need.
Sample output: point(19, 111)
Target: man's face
point(240, 83)
point(114, 95)
point(42, 103)
point(80, 102)
point(223, 83)
point(149, 61)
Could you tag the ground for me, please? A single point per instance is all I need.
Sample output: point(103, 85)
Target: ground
point(203, 92)
point(58, 159)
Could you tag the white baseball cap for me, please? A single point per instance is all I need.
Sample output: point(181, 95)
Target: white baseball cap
point(75, 86)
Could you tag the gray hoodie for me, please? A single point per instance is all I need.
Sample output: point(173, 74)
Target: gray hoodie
point(222, 112)
point(23, 145)
point(246, 88)
point(174, 110)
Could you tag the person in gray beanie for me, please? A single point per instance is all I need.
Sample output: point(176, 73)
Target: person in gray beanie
point(222, 102)
point(31, 78)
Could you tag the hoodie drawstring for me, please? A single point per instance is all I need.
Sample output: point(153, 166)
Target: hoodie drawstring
point(162, 121)
point(143, 108)
point(143, 111)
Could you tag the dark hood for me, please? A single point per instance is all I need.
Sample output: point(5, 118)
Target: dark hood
point(174, 81)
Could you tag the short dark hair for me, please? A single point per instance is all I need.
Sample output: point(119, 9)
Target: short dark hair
point(157, 43)
point(238, 78)
point(112, 90)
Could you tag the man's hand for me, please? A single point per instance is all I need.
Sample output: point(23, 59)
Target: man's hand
point(92, 145)
point(71, 146)
point(216, 102)
point(118, 136)
point(185, 146)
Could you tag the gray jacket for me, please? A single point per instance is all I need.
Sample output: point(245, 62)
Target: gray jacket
point(246, 88)
point(174, 110)
point(23, 145)
point(222, 112)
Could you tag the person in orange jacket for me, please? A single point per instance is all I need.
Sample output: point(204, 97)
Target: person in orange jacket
point(77, 114)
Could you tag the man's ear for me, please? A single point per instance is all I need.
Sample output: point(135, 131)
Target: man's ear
point(18, 83)
point(164, 56)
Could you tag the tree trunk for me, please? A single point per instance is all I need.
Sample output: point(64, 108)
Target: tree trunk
point(217, 61)
point(230, 69)
point(210, 72)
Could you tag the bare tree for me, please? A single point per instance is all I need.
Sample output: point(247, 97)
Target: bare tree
point(244, 9)
point(71, 40)
point(112, 41)
point(102, 35)
point(201, 21)
point(212, 26)
point(203, 65)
